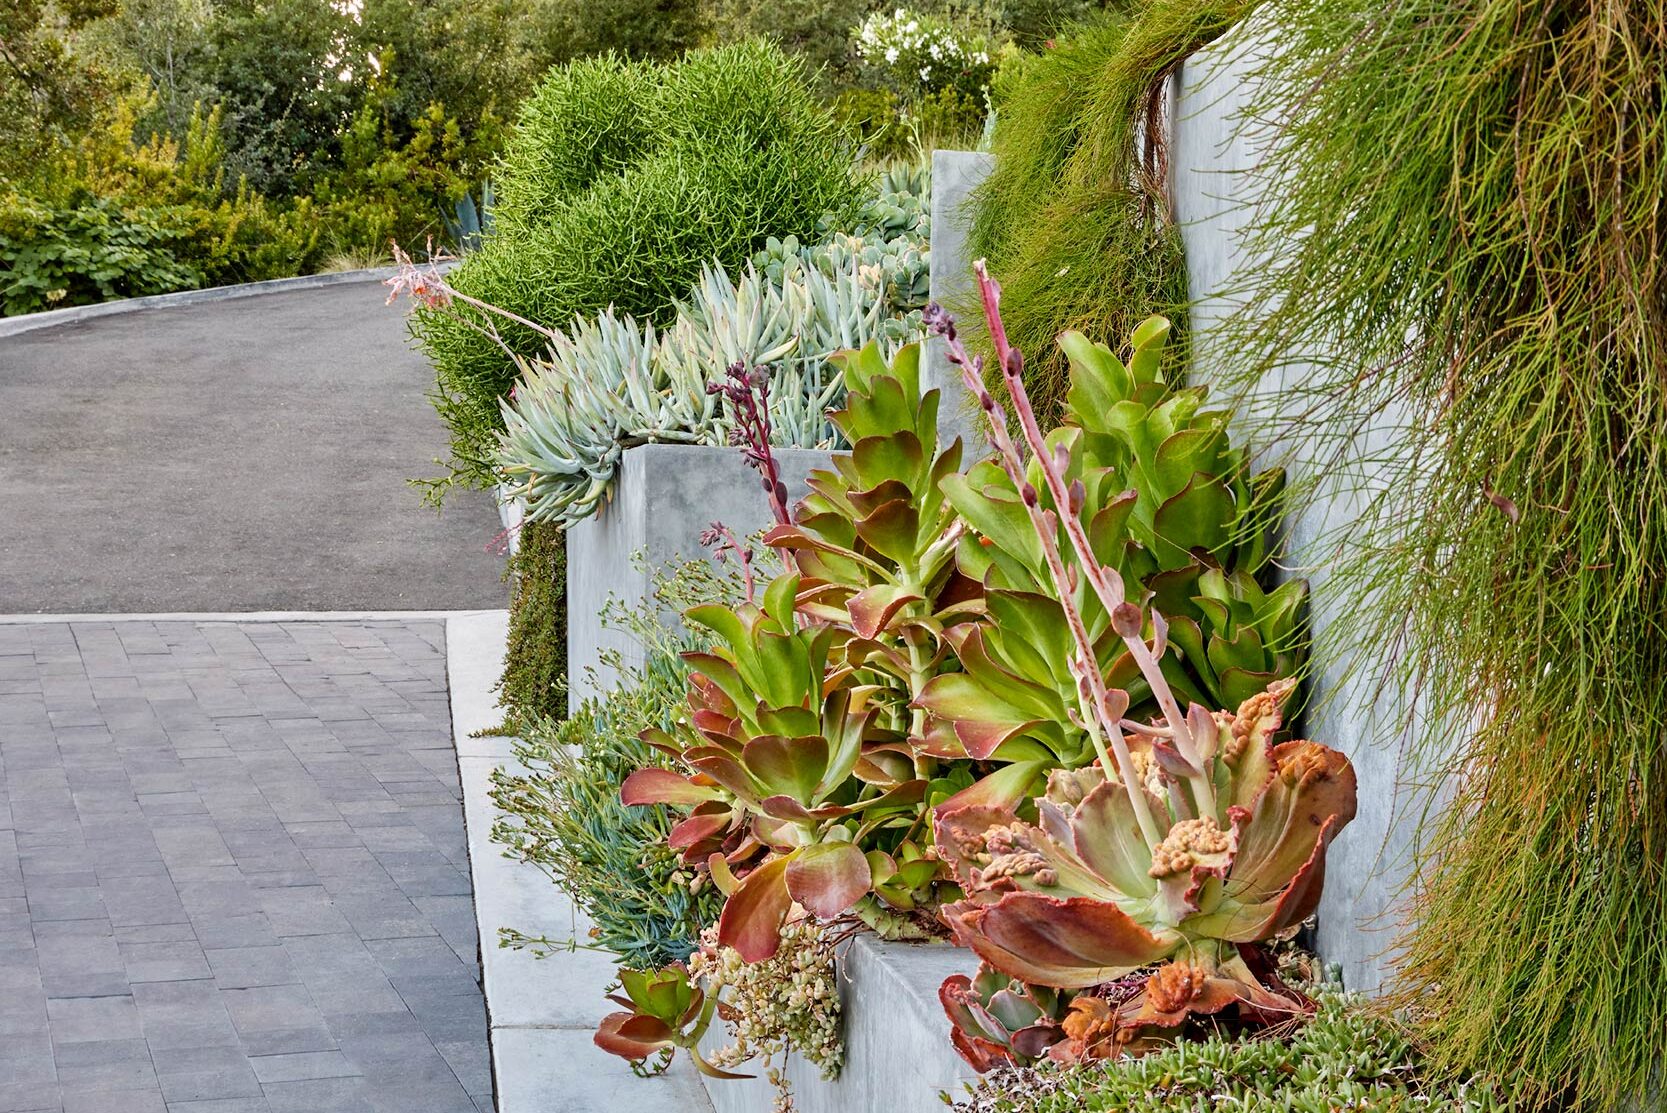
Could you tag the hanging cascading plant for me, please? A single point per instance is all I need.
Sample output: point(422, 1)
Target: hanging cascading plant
point(1075, 216)
point(1468, 219)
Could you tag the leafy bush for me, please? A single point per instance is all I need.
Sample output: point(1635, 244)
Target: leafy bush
point(1348, 1056)
point(925, 53)
point(91, 251)
point(118, 218)
point(819, 31)
point(534, 683)
point(939, 70)
point(660, 29)
point(564, 814)
point(736, 150)
point(275, 67)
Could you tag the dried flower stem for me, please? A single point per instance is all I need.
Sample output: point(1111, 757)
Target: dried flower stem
point(425, 283)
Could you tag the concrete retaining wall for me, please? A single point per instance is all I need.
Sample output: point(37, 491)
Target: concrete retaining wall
point(665, 497)
point(1215, 196)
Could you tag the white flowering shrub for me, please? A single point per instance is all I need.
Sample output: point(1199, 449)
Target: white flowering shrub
point(926, 54)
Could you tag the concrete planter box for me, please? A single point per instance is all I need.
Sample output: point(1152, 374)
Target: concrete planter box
point(512, 508)
point(897, 1050)
point(665, 497)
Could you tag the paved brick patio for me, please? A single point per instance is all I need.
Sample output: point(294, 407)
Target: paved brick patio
point(233, 872)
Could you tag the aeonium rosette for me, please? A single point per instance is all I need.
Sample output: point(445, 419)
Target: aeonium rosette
point(784, 789)
point(1191, 838)
point(1079, 898)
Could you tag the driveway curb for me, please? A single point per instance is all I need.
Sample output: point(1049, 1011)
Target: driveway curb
point(52, 318)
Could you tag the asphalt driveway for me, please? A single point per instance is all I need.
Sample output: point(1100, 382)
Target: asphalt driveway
point(240, 455)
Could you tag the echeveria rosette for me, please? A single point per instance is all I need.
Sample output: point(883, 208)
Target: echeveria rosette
point(875, 537)
point(997, 1020)
point(1169, 504)
point(1077, 898)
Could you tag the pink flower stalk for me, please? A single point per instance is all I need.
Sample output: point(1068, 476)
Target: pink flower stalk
point(723, 543)
point(747, 390)
point(1101, 707)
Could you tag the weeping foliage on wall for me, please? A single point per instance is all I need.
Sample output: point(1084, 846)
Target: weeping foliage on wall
point(1075, 219)
point(1472, 204)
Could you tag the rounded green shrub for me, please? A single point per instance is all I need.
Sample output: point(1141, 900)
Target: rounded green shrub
point(586, 120)
point(622, 182)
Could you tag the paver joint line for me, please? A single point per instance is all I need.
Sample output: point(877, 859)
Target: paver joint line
point(231, 857)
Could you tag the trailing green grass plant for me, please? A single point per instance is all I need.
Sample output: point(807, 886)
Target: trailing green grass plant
point(534, 682)
point(1468, 222)
point(1074, 219)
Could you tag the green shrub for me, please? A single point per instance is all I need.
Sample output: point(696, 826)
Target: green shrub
point(588, 119)
point(117, 218)
point(635, 28)
point(819, 31)
point(91, 251)
point(564, 814)
point(389, 189)
point(534, 683)
point(1348, 1057)
point(737, 150)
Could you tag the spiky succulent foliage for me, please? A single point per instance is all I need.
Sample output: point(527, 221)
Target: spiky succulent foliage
point(624, 180)
point(1348, 1056)
point(1476, 191)
point(890, 232)
point(609, 383)
point(1075, 216)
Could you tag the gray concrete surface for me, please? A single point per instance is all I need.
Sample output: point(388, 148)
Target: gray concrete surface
point(543, 1011)
point(249, 454)
point(233, 872)
point(666, 495)
point(1212, 156)
point(897, 1049)
point(955, 174)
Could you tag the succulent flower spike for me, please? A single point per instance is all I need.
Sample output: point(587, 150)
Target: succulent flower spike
point(1195, 834)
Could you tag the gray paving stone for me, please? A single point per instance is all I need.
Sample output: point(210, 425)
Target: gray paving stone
point(104, 1065)
point(113, 1101)
point(233, 873)
point(205, 1074)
